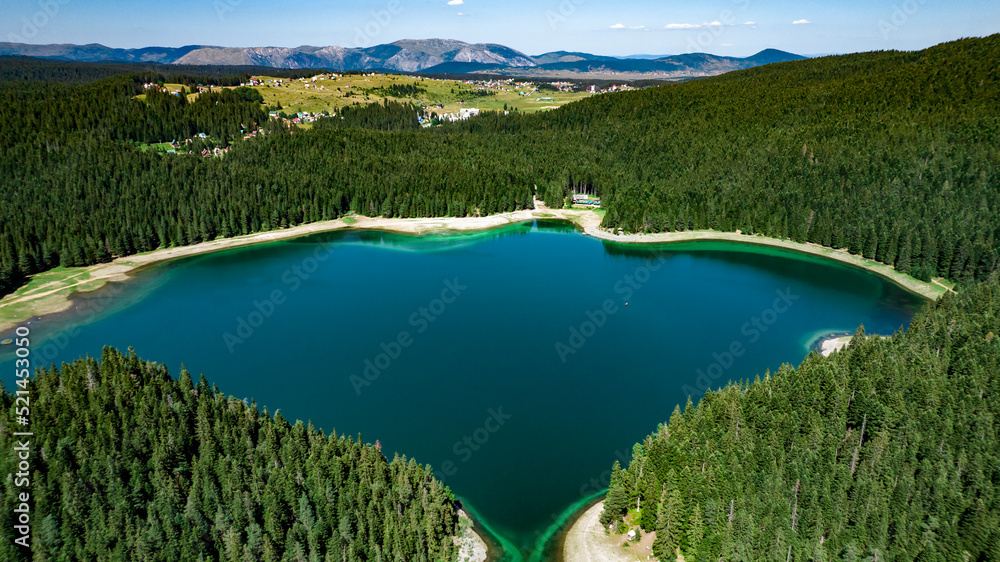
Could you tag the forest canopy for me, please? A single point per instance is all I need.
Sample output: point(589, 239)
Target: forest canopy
point(891, 155)
point(888, 450)
point(133, 464)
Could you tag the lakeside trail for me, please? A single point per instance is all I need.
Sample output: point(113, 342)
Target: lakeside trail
point(49, 292)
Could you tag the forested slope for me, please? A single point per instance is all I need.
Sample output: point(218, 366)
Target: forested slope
point(32, 69)
point(888, 450)
point(131, 464)
point(892, 155)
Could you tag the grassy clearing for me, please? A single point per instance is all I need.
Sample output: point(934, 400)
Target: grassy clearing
point(52, 279)
point(177, 87)
point(331, 94)
point(59, 282)
point(156, 147)
point(14, 313)
point(949, 285)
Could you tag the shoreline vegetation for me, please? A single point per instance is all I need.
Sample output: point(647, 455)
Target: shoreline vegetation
point(49, 292)
point(471, 545)
point(833, 343)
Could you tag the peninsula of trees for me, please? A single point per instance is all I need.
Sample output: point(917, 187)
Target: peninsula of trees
point(887, 450)
point(131, 464)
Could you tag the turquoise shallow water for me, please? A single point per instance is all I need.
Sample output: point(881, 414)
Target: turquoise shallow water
point(508, 359)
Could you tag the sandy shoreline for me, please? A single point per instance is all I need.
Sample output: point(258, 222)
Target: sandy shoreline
point(40, 297)
point(834, 343)
point(831, 344)
point(586, 540)
point(471, 546)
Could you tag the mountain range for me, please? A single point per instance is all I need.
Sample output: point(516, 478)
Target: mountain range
point(430, 56)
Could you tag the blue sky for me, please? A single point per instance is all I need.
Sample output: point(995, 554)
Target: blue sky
point(623, 27)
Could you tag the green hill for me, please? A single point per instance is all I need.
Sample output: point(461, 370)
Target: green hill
point(893, 155)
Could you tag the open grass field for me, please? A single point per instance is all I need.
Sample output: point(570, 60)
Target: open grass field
point(158, 147)
point(330, 94)
point(57, 284)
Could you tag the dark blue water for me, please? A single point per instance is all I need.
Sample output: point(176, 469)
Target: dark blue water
point(508, 360)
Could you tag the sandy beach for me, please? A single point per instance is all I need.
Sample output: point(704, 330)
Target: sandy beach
point(586, 541)
point(830, 345)
point(471, 546)
point(49, 292)
point(833, 344)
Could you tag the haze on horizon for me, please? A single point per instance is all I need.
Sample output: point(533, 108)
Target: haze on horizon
point(723, 27)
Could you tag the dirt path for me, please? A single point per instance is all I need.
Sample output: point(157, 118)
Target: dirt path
point(97, 273)
point(943, 286)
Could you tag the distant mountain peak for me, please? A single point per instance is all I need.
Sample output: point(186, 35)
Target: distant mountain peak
point(417, 55)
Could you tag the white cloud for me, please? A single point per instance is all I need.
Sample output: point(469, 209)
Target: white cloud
point(750, 23)
point(713, 24)
point(461, 14)
point(638, 27)
point(455, 2)
point(800, 22)
point(618, 26)
point(681, 26)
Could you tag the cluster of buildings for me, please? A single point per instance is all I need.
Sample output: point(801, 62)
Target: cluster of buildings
point(463, 114)
point(158, 88)
point(310, 83)
point(206, 153)
point(609, 89)
point(501, 85)
point(300, 117)
point(563, 86)
point(584, 199)
point(260, 81)
point(276, 82)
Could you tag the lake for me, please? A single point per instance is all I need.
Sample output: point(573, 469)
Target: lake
point(519, 362)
